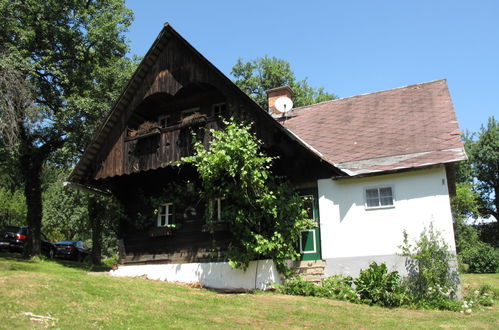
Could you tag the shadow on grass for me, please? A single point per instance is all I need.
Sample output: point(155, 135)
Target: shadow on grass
point(86, 265)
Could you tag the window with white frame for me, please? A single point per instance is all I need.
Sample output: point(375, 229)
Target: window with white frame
point(164, 121)
point(165, 214)
point(379, 197)
point(188, 112)
point(218, 109)
point(215, 207)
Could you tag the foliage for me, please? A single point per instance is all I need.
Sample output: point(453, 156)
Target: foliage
point(478, 180)
point(481, 258)
point(65, 210)
point(263, 213)
point(465, 203)
point(429, 263)
point(488, 232)
point(334, 287)
point(376, 286)
point(483, 296)
point(66, 216)
point(65, 61)
point(340, 287)
point(297, 286)
point(12, 207)
point(485, 160)
point(466, 235)
point(257, 76)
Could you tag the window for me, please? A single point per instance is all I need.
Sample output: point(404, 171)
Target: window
point(164, 121)
point(215, 206)
point(188, 112)
point(379, 197)
point(308, 241)
point(218, 109)
point(165, 214)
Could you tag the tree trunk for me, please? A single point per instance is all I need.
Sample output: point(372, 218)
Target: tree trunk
point(31, 167)
point(96, 224)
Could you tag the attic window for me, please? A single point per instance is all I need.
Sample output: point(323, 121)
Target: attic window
point(218, 109)
point(379, 197)
point(164, 121)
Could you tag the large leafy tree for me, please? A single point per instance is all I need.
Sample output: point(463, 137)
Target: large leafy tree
point(478, 185)
point(62, 62)
point(257, 76)
point(485, 166)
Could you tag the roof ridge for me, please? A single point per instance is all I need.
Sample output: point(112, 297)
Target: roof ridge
point(376, 92)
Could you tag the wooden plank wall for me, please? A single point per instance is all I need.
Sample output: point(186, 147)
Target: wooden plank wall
point(132, 155)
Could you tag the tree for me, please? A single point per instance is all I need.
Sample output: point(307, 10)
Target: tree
point(263, 213)
point(71, 214)
point(12, 207)
point(485, 165)
point(257, 76)
point(62, 64)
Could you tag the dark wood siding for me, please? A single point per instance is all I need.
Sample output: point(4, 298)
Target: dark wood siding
point(132, 155)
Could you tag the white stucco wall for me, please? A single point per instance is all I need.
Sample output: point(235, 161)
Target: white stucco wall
point(349, 230)
point(220, 275)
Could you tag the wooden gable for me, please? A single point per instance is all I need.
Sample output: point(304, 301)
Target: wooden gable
point(173, 82)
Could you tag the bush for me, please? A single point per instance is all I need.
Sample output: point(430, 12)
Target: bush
point(299, 287)
point(481, 258)
point(376, 286)
point(340, 287)
point(429, 265)
point(335, 287)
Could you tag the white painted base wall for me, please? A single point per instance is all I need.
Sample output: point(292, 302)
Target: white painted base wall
point(218, 275)
point(352, 234)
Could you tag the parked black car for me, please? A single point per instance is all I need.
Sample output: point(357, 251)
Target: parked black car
point(13, 238)
point(75, 250)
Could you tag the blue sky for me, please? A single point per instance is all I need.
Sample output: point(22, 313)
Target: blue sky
point(348, 47)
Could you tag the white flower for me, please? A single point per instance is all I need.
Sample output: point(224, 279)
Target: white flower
point(468, 311)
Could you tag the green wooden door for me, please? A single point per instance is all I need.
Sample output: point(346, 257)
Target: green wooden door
point(310, 240)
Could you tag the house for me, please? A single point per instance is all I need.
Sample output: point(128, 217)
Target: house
point(373, 165)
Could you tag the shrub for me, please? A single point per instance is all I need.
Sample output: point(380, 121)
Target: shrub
point(299, 287)
point(484, 296)
point(481, 258)
point(429, 265)
point(335, 287)
point(340, 287)
point(377, 286)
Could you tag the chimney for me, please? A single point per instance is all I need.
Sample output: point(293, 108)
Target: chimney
point(275, 93)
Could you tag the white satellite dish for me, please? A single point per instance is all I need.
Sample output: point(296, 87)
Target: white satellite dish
point(283, 104)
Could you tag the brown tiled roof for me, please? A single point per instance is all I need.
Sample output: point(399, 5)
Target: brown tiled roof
point(399, 128)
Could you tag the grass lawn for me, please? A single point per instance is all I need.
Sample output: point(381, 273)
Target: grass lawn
point(75, 298)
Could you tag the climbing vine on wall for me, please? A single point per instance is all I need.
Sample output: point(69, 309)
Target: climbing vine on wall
point(264, 214)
